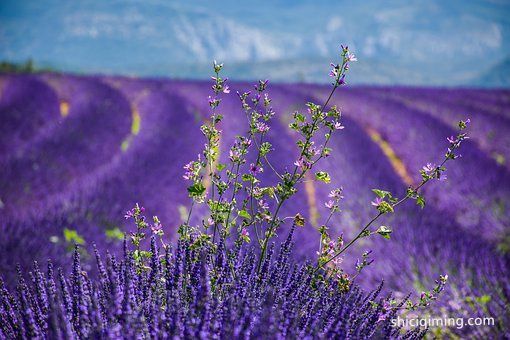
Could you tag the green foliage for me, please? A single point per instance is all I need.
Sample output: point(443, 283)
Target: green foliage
point(323, 176)
point(381, 193)
point(114, 234)
point(244, 214)
point(196, 190)
point(72, 237)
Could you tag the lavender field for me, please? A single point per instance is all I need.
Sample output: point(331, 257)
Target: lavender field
point(76, 152)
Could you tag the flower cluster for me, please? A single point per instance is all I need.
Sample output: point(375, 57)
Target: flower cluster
point(190, 293)
point(338, 70)
point(137, 215)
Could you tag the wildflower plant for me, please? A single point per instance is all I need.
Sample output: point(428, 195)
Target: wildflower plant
point(225, 277)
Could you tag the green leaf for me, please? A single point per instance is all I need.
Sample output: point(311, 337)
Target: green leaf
point(72, 236)
point(385, 207)
point(247, 177)
point(420, 200)
point(244, 214)
point(115, 234)
point(299, 220)
point(381, 193)
point(323, 176)
point(269, 191)
point(221, 166)
point(145, 254)
point(299, 117)
point(484, 299)
point(196, 190)
point(384, 231)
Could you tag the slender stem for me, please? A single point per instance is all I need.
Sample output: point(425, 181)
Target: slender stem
point(233, 194)
point(351, 242)
point(268, 236)
point(360, 234)
point(253, 179)
point(189, 216)
point(305, 146)
point(335, 86)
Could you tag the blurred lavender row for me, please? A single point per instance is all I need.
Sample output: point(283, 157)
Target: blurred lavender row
point(76, 152)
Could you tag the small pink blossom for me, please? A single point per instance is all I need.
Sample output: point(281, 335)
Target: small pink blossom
point(339, 126)
point(350, 56)
point(263, 205)
point(254, 169)
point(262, 127)
point(377, 202)
point(245, 233)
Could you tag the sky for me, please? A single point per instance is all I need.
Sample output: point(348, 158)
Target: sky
point(409, 42)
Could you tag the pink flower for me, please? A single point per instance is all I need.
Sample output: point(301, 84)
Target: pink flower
point(262, 127)
point(245, 233)
point(302, 163)
point(334, 71)
point(350, 56)
point(234, 155)
point(329, 204)
point(263, 205)
point(188, 174)
point(429, 168)
point(254, 169)
point(157, 228)
point(377, 202)
point(336, 194)
point(338, 126)
point(247, 143)
point(129, 214)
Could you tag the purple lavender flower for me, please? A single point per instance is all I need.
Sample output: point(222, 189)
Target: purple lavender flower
point(255, 169)
point(192, 293)
point(341, 81)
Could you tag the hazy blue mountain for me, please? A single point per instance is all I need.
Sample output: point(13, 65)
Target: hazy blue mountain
point(432, 42)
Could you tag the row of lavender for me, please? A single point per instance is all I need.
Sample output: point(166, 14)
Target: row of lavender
point(77, 151)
